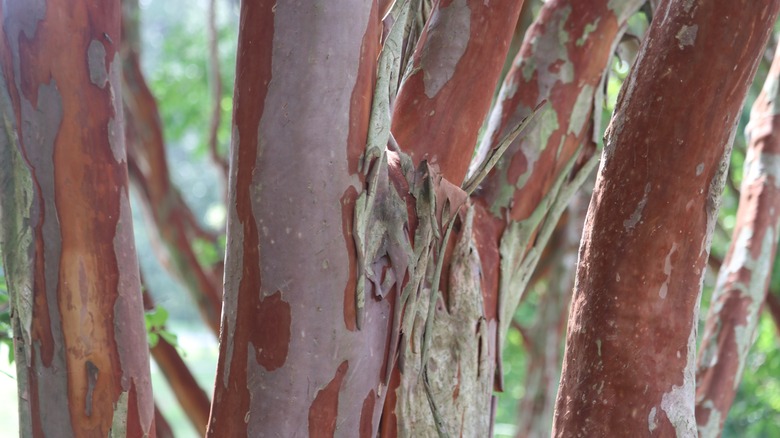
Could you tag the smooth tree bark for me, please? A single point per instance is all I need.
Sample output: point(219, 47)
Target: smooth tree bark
point(67, 235)
point(630, 355)
point(746, 270)
point(345, 240)
point(291, 359)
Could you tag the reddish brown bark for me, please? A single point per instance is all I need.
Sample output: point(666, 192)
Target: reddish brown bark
point(82, 359)
point(746, 270)
point(629, 362)
point(457, 62)
point(215, 83)
point(562, 60)
point(162, 427)
point(583, 34)
point(193, 400)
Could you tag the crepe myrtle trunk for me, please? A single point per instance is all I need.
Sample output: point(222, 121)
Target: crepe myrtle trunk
point(289, 363)
point(331, 248)
point(630, 355)
point(745, 273)
point(362, 281)
point(67, 236)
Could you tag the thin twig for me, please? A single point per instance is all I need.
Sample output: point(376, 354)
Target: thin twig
point(215, 79)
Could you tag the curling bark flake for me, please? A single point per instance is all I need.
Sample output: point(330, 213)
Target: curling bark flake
point(562, 60)
point(445, 97)
point(745, 273)
point(669, 154)
point(81, 352)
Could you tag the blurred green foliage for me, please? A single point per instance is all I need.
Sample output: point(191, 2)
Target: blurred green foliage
point(155, 320)
point(175, 62)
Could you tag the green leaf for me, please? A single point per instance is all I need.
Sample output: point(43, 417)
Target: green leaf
point(154, 338)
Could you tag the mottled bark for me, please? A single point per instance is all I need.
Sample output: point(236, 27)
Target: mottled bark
point(291, 360)
point(746, 270)
point(388, 216)
point(81, 353)
point(630, 355)
point(563, 58)
point(454, 71)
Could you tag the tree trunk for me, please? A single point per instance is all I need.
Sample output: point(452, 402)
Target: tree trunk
point(745, 273)
point(291, 360)
point(418, 310)
point(630, 355)
point(80, 343)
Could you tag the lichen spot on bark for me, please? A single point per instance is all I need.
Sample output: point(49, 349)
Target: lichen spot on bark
point(687, 36)
point(636, 216)
point(271, 338)
point(668, 272)
point(325, 407)
point(96, 60)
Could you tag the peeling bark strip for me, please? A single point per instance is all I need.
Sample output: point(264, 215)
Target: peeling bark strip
point(456, 65)
point(300, 123)
point(82, 358)
point(562, 61)
point(543, 339)
point(620, 322)
point(745, 273)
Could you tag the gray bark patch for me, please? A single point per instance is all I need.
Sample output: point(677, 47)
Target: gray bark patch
point(96, 60)
point(444, 48)
point(116, 125)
